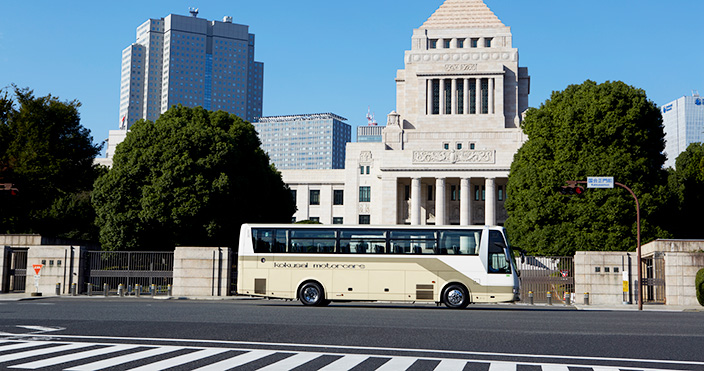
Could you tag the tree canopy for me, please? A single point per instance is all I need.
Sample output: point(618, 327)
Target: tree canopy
point(608, 129)
point(190, 178)
point(686, 186)
point(48, 156)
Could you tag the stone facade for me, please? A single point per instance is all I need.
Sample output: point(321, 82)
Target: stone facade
point(446, 151)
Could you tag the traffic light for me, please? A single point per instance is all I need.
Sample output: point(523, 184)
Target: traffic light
point(9, 187)
point(571, 189)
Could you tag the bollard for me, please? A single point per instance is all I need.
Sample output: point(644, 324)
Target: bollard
point(58, 289)
point(586, 298)
point(90, 289)
point(549, 295)
point(153, 289)
point(168, 290)
point(121, 290)
point(137, 289)
point(530, 297)
point(567, 298)
point(74, 289)
point(105, 289)
point(129, 290)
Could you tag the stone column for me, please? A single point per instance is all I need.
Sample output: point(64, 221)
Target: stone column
point(465, 96)
point(490, 93)
point(389, 189)
point(429, 96)
point(440, 201)
point(490, 202)
point(441, 101)
point(465, 217)
point(478, 95)
point(453, 99)
point(415, 201)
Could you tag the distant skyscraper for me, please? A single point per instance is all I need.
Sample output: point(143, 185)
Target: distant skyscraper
point(370, 133)
point(190, 61)
point(305, 142)
point(683, 120)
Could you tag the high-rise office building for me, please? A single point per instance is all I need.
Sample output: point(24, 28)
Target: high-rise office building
point(683, 121)
point(190, 61)
point(313, 141)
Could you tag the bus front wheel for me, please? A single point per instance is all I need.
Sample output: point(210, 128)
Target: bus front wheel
point(455, 296)
point(311, 293)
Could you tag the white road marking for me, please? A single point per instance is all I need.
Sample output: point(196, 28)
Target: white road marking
point(291, 362)
point(125, 359)
point(43, 351)
point(41, 328)
point(74, 357)
point(236, 360)
point(357, 348)
point(345, 363)
point(180, 360)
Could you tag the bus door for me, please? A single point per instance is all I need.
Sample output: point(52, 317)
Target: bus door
point(266, 244)
point(500, 278)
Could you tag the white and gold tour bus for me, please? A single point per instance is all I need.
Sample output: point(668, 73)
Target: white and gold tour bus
point(318, 264)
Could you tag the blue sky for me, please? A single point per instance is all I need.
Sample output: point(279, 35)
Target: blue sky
point(342, 56)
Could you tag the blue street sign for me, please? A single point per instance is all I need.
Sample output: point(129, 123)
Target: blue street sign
point(600, 182)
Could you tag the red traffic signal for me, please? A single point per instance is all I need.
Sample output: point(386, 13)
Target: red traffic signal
point(9, 187)
point(571, 190)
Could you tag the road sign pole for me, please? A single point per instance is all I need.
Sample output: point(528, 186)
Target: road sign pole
point(609, 180)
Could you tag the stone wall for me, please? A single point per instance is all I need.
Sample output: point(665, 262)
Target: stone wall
point(680, 272)
point(202, 271)
point(60, 265)
point(601, 274)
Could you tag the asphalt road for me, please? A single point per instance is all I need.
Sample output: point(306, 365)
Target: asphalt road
point(548, 332)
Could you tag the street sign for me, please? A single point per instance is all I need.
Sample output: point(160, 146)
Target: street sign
point(37, 269)
point(600, 182)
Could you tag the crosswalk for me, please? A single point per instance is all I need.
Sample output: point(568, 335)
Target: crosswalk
point(84, 356)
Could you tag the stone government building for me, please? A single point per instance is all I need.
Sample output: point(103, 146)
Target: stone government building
point(446, 151)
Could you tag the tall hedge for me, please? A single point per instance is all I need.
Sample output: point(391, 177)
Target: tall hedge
point(699, 284)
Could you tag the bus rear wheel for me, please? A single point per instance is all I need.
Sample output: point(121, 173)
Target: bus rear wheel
point(455, 296)
point(311, 293)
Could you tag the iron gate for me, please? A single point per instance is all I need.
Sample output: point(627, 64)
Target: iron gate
point(129, 268)
point(543, 274)
point(653, 286)
point(16, 270)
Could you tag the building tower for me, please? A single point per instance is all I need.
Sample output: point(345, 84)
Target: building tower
point(190, 61)
point(446, 151)
point(312, 141)
point(683, 122)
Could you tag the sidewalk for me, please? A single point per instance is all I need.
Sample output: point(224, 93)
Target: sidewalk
point(616, 307)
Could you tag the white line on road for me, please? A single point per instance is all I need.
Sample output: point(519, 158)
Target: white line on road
point(74, 356)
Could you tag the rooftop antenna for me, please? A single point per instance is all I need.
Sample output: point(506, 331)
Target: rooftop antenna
point(370, 117)
point(695, 93)
point(193, 11)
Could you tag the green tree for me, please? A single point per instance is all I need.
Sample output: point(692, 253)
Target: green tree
point(686, 185)
point(608, 129)
point(49, 157)
point(190, 178)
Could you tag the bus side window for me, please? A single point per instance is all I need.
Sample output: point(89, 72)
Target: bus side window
point(263, 239)
point(280, 242)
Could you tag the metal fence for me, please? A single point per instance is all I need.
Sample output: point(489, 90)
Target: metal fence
point(16, 271)
point(107, 270)
point(654, 279)
point(543, 274)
